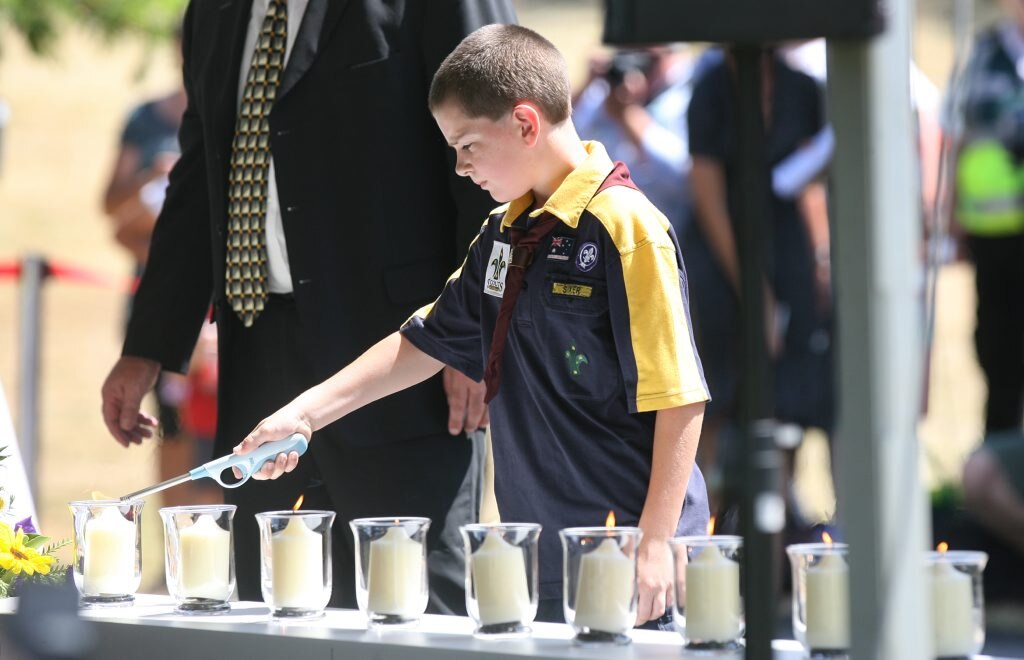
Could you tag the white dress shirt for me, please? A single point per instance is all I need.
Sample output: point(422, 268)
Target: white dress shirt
point(279, 277)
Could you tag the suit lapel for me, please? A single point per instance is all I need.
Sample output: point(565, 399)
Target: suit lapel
point(316, 26)
point(234, 19)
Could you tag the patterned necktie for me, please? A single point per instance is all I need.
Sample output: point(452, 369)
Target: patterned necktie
point(524, 243)
point(246, 271)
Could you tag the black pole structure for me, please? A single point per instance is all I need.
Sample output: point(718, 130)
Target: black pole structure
point(761, 511)
point(749, 25)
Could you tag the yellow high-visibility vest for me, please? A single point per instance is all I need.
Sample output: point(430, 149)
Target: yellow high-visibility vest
point(990, 190)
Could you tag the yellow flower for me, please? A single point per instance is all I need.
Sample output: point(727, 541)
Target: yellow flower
point(6, 537)
point(17, 557)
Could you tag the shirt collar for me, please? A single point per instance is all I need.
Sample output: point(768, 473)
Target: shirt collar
point(575, 192)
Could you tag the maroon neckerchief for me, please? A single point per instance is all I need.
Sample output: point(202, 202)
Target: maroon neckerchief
point(524, 243)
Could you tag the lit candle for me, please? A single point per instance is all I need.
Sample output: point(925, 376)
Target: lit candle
point(712, 597)
point(953, 611)
point(297, 566)
point(395, 577)
point(604, 595)
point(205, 557)
point(499, 578)
point(828, 604)
point(109, 554)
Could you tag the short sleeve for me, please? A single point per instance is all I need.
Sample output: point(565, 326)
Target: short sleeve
point(649, 308)
point(812, 102)
point(448, 329)
point(705, 119)
point(136, 128)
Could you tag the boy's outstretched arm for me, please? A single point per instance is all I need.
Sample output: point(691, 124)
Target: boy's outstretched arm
point(389, 366)
point(676, 433)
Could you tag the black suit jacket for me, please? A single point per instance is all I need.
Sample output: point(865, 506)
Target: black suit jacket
point(374, 217)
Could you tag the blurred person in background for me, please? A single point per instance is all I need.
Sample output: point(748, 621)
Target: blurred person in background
point(316, 204)
point(133, 198)
point(988, 129)
point(797, 277)
point(635, 104)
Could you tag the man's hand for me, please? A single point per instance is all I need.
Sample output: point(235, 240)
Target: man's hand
point(126, 385)
point(654, 579)
point(281, 424)
point(467, 411)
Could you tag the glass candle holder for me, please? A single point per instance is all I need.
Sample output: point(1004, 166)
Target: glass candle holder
point(295, 566)
point(501, 577)
point(199, 557)
point(599, 582)
point(958, 602)
point(391, 569)
point(708, 603)
point(108, 551)
point(821, 597)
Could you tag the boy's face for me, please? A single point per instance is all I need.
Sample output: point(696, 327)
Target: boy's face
point(495, 154)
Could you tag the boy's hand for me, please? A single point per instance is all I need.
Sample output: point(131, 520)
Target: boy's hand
point(467, 411)
point(654, 579)
point(281, 424)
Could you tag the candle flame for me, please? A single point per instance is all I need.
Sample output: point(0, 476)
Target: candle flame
point(826, 537)
point(711, 526)
point(610, 520)
point(298, 503)
point(942, 547)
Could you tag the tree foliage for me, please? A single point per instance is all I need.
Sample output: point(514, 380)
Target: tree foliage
point(39, 22)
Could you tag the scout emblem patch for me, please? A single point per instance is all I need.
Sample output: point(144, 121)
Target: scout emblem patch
point(496, 269)
point(575, 359)
point(586, 258)
point(561, 248)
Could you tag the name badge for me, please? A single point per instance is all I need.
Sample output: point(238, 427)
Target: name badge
point(574, 290)
point(496, 269)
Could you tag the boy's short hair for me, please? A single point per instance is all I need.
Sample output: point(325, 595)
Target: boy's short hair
point(498, 66)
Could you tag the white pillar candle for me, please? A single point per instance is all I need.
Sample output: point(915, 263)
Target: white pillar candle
point(828, 603)
point(109, 554)
point(297, 566)
point(953, 611)
point(499, 579)
point(395, 577)
point(712, 597)
point(604, 593)
point(205, 557)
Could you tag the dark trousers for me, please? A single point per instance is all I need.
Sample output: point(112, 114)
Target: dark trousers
point(999, 338)
point(265, 367)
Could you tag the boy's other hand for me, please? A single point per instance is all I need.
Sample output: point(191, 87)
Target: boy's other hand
point(281, 424)
point(467, 411)
point(654, 579)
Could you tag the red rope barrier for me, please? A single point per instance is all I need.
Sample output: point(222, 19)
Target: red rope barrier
point(74, 274)
point(10, 270)
point(64, 271)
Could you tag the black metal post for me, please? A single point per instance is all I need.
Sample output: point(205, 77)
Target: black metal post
point(760, 507)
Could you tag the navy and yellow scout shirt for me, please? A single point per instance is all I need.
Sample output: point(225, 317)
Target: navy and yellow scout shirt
point(599, 340)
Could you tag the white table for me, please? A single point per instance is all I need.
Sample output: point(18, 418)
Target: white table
point(150, 630)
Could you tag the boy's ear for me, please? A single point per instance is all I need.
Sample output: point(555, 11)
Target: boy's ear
point(527, 119)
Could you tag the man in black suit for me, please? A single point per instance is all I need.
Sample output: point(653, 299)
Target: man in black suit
point(316, 206)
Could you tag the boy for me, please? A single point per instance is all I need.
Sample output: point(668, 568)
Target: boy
point(572, 300)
